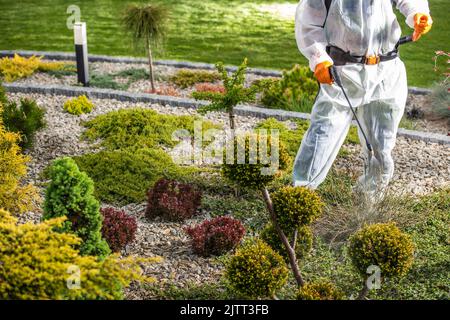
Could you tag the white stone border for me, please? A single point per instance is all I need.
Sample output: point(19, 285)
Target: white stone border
point(244, 110)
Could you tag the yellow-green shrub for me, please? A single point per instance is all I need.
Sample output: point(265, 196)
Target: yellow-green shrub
point(296, 206)
point(382, 245)
point(303, 245)
point(255, 270)
point(36, 261)
point(78, 105)
point(186, 78)
point(320, 290)
point(14, 196)
point(251, 175)
point(18, 67)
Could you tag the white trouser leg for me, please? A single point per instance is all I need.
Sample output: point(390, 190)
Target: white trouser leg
point(380, 120)
point(330, 123)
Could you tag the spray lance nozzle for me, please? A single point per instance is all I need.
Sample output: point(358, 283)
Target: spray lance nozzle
point(337, 79)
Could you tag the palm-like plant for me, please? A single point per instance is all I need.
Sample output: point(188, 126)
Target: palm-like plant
point(147, 26)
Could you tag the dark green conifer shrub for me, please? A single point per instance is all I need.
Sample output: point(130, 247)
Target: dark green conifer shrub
point(70, 194)
point(25, 119)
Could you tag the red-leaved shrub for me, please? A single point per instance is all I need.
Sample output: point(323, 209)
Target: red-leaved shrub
point(164, 90)
point(172, 200)
point(216, 236)
point(209, 87)
point(118, 229)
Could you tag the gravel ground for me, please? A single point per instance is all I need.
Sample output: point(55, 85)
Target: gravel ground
point(162, 73)
point(421, 167)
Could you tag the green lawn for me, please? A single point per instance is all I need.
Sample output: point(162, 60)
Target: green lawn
point(207, 31)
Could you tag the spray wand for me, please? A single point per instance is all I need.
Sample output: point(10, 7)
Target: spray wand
point(337, 79)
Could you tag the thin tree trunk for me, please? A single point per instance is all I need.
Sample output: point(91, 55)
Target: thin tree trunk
point(150, 65)
point(364, 292)
point(291, 252)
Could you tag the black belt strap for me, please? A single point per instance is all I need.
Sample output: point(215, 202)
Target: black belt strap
point(340, 57)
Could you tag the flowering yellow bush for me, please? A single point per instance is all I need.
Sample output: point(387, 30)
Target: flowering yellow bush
point(36, 262)
point(256, 270)
point(78, 105)
point(13, 196)
point(18, 67)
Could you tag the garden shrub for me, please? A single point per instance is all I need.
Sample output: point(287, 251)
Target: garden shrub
point(18, 67)
point(216, 236)
point(296, 207)
point(106, 81)
point(3, 97)
point(236, 92)
point(118, 229)
point(210, 87)
point(257, 174)
point(256, 271)
point(78, 106)
point(70, 194)
point(37, 262)
point(440, 100)
point(165, 91)
point(319, 290)
point(15, 196)
point(25, 119)
point(133, 74)
point(172, 200)
point(295, 91)
point(303, 245)
point(382, 245)
point(122, 176)
point(138, 128)
point(12, 69)
point(185, 78)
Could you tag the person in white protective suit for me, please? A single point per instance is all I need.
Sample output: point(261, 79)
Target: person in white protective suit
point(359, 38)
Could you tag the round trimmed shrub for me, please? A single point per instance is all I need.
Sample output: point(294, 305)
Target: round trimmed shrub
point(256, 270)
point(119, 229)
point(296, 206)
point(382, 245)
point(320, 290)
point(216, 236)
point(253, 174)
point(304, 241)
point(78, 106)
point(172, 200)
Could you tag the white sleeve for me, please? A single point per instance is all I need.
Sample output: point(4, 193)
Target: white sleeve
point(409, 8)
point(309, 32)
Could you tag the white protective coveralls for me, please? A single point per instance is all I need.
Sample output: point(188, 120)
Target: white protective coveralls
point(378, 92)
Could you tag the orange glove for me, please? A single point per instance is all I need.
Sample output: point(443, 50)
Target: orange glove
point(322, 72)
point(422, 24)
